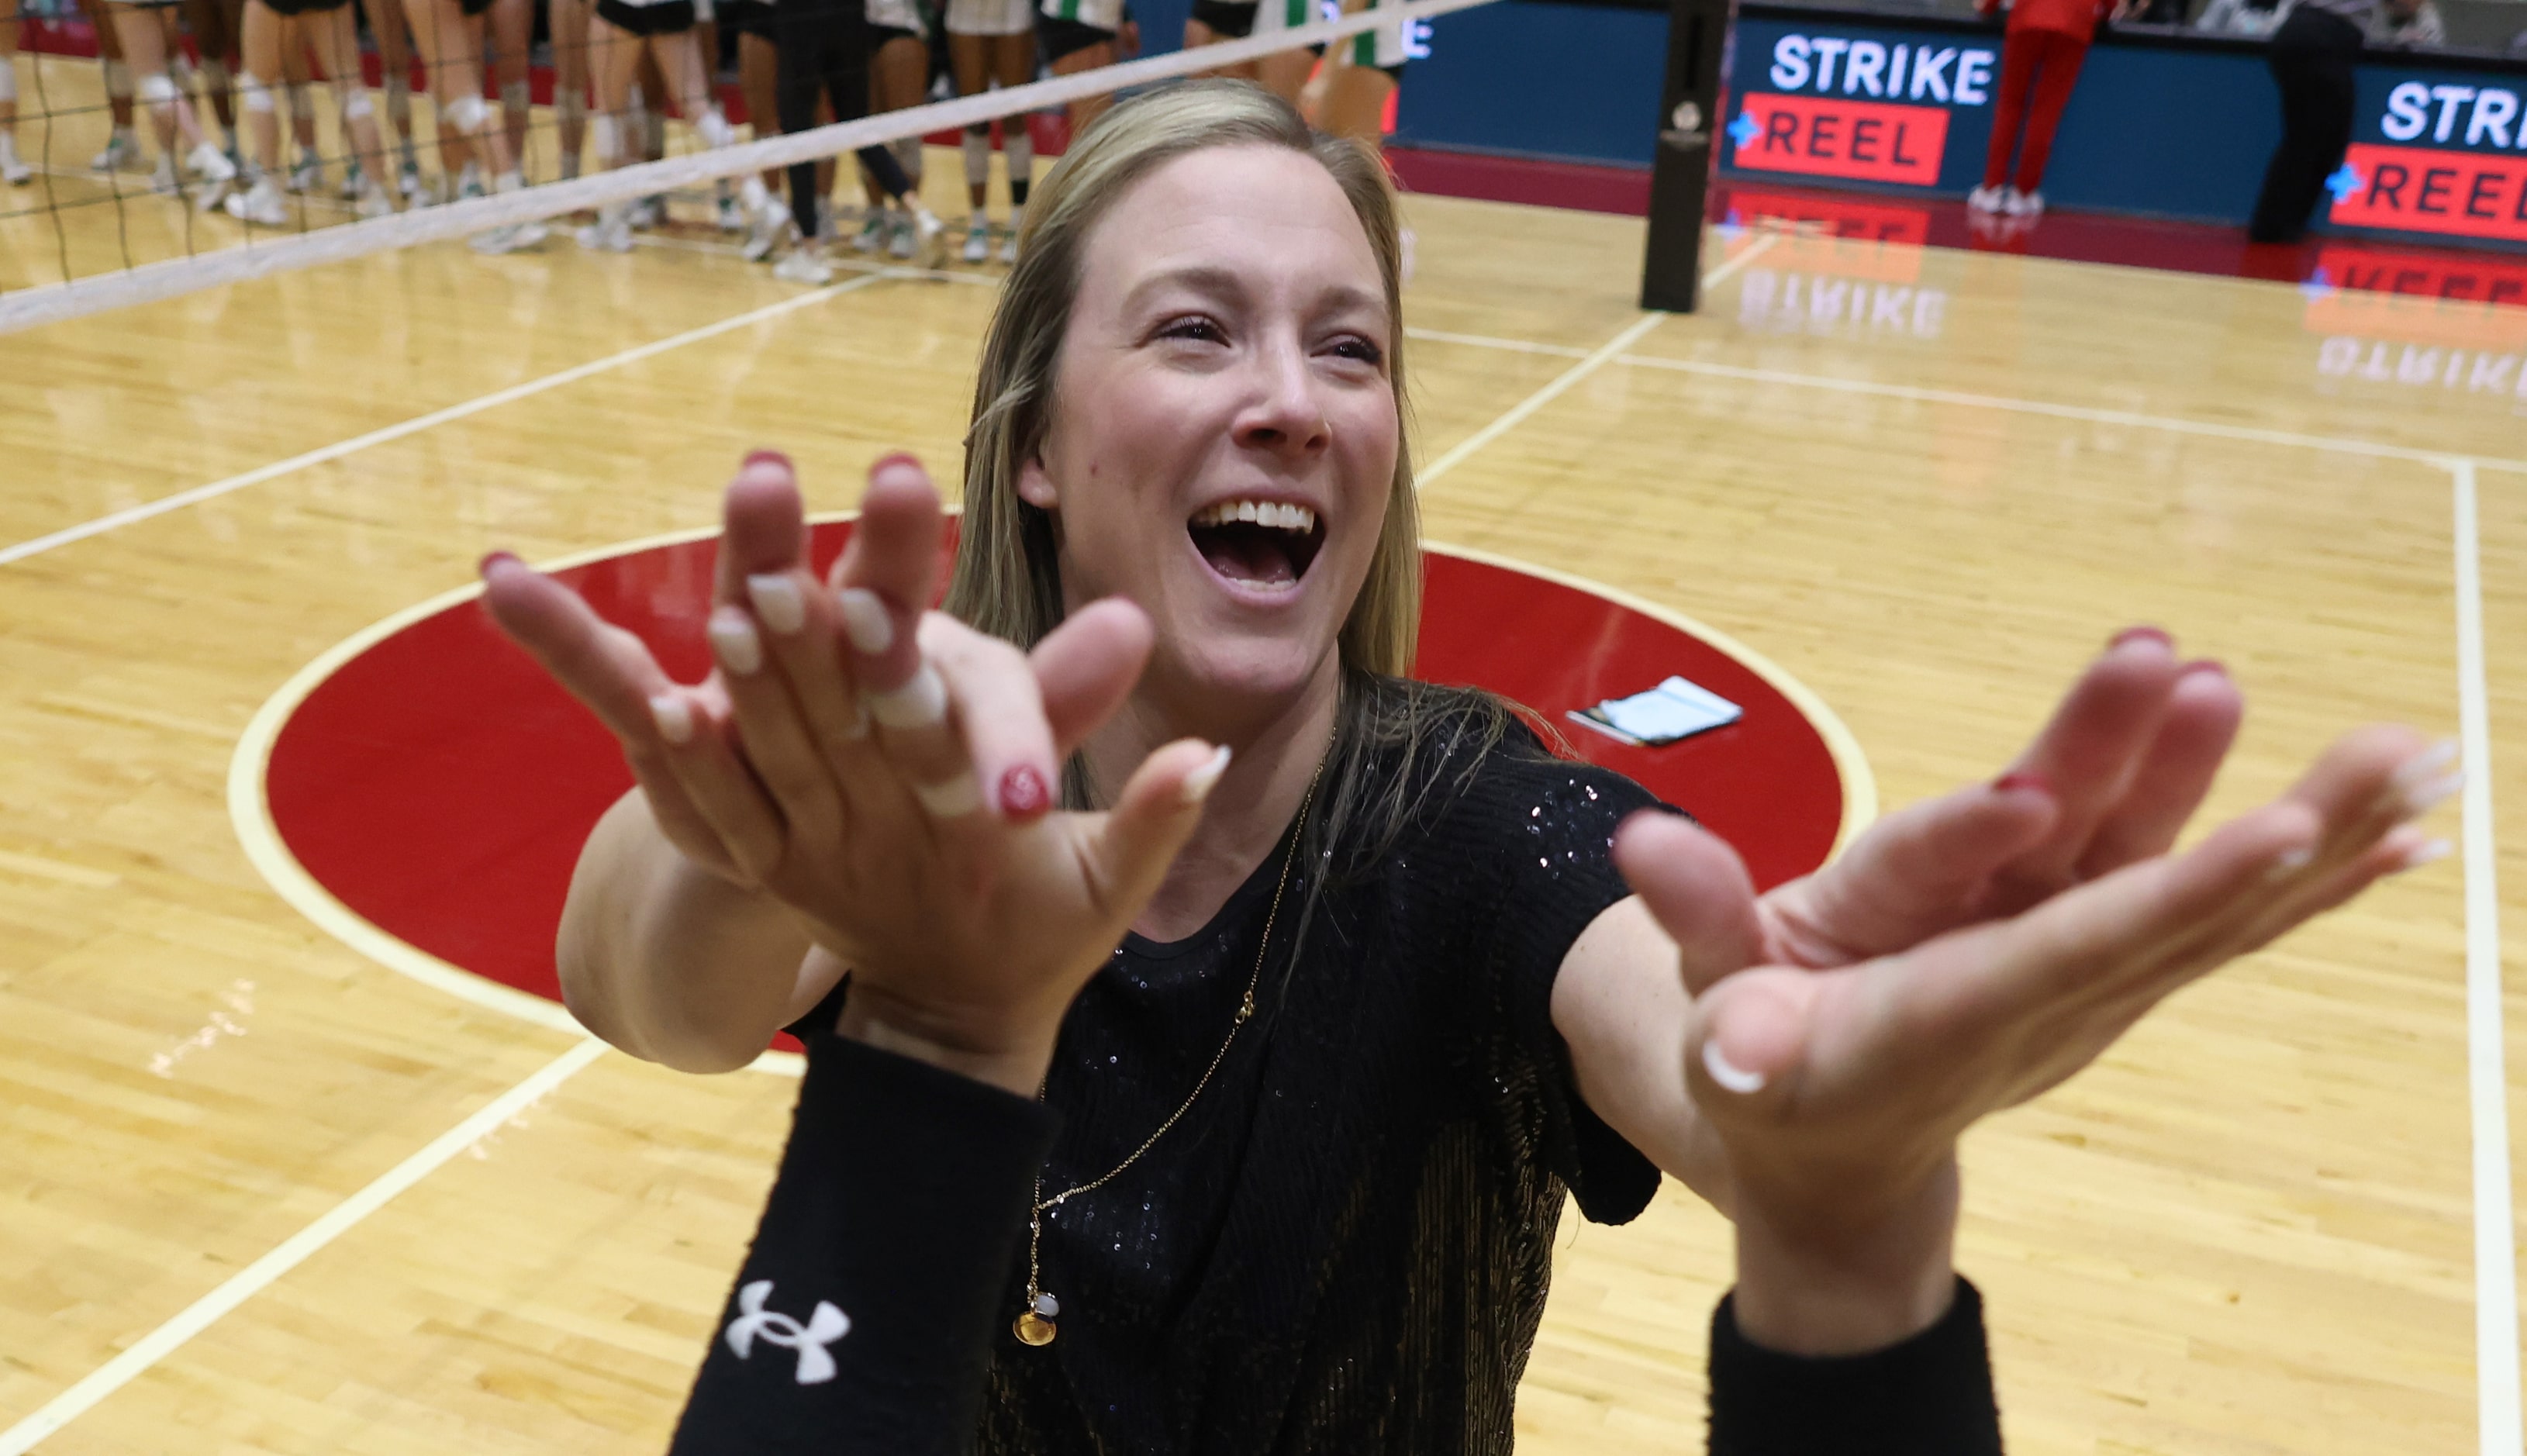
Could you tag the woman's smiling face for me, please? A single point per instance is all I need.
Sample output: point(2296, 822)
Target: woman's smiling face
point(1223, 430)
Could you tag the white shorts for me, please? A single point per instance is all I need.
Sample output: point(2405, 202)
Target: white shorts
point(897, 15)
point(1379, 48)
point(990, 17)
point(1105, 15)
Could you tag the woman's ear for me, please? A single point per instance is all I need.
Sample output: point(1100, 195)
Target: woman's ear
point(1035, 487)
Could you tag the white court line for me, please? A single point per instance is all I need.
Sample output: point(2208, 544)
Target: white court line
point(246, 1282)
point(2170, 423)
point(2495, 1263)
point(414, 425)
point(1561, 384)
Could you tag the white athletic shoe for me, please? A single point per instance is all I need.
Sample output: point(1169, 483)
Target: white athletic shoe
point(355, 181)
point(213, 169)
point(928, 237)
point(772, 225)
point(874, 228)
point(978, 241)
point(409, 182)
point(262, 205)
point(805, 264)
point(731, 217)
point(611, 233)
point(1987, 199)
point(162, 180)
point(121, 154)
point(13, 169)
point(648, 213)
point(306, 175)
point(900, 244)
point(469, 183)
point(508, 239)
point(376, 202)
point(1009, 247)
point(2019, 204)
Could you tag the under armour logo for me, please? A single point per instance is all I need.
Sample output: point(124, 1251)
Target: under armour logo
point(826, 1325)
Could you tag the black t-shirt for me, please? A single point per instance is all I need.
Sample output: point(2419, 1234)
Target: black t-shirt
point(1345, 1243)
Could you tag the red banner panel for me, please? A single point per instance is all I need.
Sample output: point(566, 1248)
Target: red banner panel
point(2422, 190)
point(2463, 300)
point(1834, 136)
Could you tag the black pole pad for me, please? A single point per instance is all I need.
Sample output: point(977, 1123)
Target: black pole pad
point(1697, 41)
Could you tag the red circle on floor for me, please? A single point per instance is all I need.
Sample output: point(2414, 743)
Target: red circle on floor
point(440, 786)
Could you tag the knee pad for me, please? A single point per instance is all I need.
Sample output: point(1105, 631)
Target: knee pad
point(978, 156)
point(514, 96)
point(713, 129)
point(467, 114)
point(608, 135)
point(358, 106)
point(258, 96)
point(156, 90)
point(118, 81)
point(7, 77)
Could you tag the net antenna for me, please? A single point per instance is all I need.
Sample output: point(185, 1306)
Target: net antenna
point(50, 303)
point(1690, 107)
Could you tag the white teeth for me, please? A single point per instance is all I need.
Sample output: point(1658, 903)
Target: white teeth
point(1271, 513)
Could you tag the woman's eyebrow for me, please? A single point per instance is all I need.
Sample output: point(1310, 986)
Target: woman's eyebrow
point(1208, 280)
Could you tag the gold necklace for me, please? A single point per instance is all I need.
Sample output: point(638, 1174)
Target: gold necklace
point(1034, 1324)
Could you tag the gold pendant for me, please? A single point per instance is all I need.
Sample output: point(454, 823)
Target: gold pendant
point(1033, 1328)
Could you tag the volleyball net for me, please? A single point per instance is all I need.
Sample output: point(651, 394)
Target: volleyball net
point(120, 232)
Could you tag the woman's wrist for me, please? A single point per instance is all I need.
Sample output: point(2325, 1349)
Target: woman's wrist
point(1012, 1058)
point(1808, 1286)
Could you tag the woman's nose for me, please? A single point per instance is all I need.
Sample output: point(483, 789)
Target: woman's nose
point(1283, 413)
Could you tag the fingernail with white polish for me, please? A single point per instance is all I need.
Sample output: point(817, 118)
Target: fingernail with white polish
point(2427, 854)
point(733, 643)
point(2423, 766)
point(918, 703)
point(674, 718)
point(2291, 862)
point(865, 621)
point(777, 601)
point(1727, 1073)
point(2422, 798)
point(1198, 783)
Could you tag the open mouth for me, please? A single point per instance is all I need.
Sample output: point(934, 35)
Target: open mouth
point(1257, 543)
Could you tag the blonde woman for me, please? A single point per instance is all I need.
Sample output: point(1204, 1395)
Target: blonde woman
point(1339, 982)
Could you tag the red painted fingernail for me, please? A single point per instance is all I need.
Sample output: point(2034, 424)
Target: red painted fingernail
point(2136, 634)
point(898, 457)
point(2205, 665)
point(484, 567)
point(2023, 779)
point(1022, 793)
point(769, 458)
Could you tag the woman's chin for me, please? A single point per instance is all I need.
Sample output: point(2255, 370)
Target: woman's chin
point(1244, 677)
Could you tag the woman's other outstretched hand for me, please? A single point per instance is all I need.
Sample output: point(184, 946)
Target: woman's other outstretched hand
point(884, 773)
point(1969, 952)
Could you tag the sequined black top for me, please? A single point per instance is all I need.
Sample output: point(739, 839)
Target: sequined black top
point(1344, 1246)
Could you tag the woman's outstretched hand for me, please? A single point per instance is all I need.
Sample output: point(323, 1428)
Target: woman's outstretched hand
point(1969, 952)
point(882, 772)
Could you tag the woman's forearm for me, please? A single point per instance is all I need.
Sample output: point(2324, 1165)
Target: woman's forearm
point(668, 960)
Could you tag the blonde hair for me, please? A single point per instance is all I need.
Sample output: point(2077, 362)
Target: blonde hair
point(1008, 575)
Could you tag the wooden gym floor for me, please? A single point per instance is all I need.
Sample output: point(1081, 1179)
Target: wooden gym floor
point(1928, 483)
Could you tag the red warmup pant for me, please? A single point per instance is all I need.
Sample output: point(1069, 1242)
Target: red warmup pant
point(2047, 63)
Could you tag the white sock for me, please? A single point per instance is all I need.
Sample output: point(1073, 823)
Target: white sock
point(978, 156)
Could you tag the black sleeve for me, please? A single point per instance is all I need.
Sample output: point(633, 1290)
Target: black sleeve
point(863, 1317)
point(1547, 828)
point(1927, 1396)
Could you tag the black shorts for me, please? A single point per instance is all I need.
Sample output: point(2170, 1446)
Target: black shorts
point(304, 7)
point(474, 7)
point(664, 18)
point(882, 36)
point(1058, 37)
point(745, 18)
point(1231, 19)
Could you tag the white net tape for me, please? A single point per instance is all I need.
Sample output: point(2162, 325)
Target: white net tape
point(53, 302)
